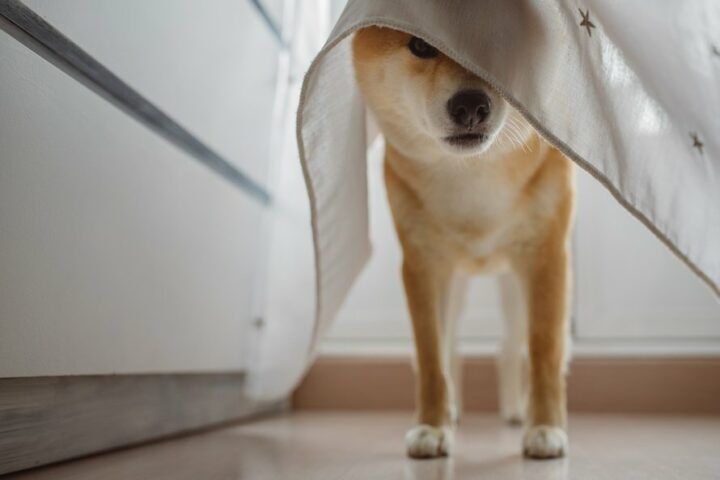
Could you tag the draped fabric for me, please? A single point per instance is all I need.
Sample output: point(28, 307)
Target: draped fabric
point(629, 90)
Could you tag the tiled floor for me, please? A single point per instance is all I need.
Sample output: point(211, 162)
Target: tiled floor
point(368, 446)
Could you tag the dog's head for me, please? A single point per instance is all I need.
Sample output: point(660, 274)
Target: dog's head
point(425, 102)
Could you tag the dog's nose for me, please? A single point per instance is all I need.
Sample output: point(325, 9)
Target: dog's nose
point(468, 108)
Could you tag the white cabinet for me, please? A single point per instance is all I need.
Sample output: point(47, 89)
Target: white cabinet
point(211, 66)
point(120, 253)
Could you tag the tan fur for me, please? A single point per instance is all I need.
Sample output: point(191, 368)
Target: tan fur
point(510, 206)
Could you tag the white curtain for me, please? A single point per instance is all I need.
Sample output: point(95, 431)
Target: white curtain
point(283, 339)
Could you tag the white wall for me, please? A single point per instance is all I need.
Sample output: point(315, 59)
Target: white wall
point(630, 286)
point(118, 252)
point(632, 295)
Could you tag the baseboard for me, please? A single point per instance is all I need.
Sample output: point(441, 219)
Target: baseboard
point(48, 419)
point(649, 385)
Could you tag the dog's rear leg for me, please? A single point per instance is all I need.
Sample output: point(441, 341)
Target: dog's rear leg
point(427, 285)
point(453, 359)
point(512, 358)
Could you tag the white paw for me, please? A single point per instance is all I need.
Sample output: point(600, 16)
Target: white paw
point(512, 417)
point(512, 389)
point(512, 409)
point(426, 441)
point(544, 441)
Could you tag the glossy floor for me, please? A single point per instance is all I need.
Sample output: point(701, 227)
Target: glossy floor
point(345, 446)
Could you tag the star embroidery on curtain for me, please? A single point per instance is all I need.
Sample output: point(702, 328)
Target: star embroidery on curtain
point(586, 21)
point(696, 142)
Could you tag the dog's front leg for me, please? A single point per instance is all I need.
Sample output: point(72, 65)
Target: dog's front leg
point(427, 285)
point(546, 277)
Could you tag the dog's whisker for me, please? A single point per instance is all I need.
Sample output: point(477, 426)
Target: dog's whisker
point(510, 133)
point(508, 139)
point(514, 130)
point(517, 126)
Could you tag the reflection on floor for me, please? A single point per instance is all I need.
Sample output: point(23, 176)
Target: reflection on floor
point(348, 446)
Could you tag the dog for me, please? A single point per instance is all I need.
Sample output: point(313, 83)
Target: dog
point(472, 188)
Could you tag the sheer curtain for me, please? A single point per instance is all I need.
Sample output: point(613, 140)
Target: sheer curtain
point(285, 328)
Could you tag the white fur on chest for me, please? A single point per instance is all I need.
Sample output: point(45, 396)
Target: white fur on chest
point(473, 205)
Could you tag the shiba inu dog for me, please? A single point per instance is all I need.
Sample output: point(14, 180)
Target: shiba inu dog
point(472, 187)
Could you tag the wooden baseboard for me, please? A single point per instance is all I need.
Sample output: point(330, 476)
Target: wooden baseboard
point(650, 385)
point(49, 419)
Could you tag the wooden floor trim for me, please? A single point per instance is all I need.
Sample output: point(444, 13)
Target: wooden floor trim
point(49, 419)
point(650, 385)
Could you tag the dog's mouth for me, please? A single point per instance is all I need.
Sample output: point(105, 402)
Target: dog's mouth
point(465, 140)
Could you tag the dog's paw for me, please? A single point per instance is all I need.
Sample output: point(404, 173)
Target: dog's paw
point(426, 441)
point(512, 410)
point(545, 441)
point(512, 389)
point(512, 418)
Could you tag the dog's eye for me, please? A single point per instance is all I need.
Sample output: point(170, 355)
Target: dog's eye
point(421, 49)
